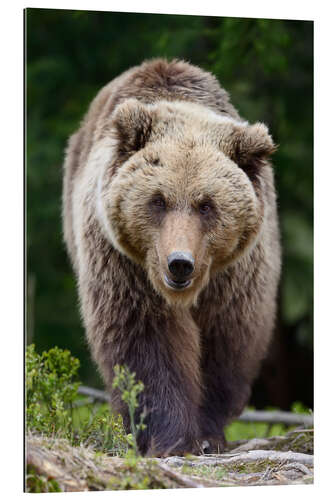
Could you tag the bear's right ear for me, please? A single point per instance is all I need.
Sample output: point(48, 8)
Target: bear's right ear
point(132, 124)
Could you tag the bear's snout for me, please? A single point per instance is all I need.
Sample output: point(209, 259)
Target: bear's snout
point(181, 265)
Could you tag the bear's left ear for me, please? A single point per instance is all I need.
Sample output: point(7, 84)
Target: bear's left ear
point(248, 145)
point(132, 124)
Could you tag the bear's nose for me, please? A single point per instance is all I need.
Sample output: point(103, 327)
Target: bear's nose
point(181, 265)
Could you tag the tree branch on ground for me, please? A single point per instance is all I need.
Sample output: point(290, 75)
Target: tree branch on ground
point(270, 417)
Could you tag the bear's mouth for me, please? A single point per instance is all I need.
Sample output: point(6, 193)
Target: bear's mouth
point(176, 285)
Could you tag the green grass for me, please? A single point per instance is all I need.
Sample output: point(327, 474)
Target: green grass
point(249, 430)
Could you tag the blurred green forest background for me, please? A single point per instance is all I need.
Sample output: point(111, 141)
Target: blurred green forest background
point(265, 65)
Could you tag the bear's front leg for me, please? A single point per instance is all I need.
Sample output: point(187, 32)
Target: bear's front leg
point(162, 348)
point(232, 355)
point(166, 361)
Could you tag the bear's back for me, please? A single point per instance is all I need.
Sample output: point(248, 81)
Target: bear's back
point(151, 82)
point(159, 79)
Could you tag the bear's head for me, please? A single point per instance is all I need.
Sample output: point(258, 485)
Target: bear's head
point(183, 192)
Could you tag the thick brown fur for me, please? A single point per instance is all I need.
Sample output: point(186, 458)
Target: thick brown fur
point(163, 163)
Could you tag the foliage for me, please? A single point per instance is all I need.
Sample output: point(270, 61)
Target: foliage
point(124, 380)
point(95, 426)
point(265, 64)
point(51, 405)
point(37, 483)
point(50, 389)
point(298, 407)
point(138, 474)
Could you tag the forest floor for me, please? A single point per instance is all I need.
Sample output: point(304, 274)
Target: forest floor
point(54, 465)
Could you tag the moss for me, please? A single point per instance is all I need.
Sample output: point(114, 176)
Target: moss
point(135, 481)
point(252, 467)
point(214, 473)
point(218, 472)
point(141, 475)
point(187, 469)
point(94, 483)
point(37, 483)
point(302, 442)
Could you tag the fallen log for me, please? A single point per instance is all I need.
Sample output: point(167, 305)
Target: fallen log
point(269, 417)
point(277, 417)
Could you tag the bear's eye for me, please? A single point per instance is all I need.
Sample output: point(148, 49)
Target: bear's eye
point(205, 208)
point(159, 202)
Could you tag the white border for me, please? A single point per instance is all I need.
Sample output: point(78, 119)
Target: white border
point(12, 229)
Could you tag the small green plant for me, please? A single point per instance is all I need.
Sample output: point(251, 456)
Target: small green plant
point(298, 407)
point(51, 388)
point(95, 426)
point(125, 381)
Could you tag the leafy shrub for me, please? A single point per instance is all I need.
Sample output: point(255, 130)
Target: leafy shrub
point(54, 408)
point(51, 388)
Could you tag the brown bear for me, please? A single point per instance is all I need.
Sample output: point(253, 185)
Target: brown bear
point(170, 220)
